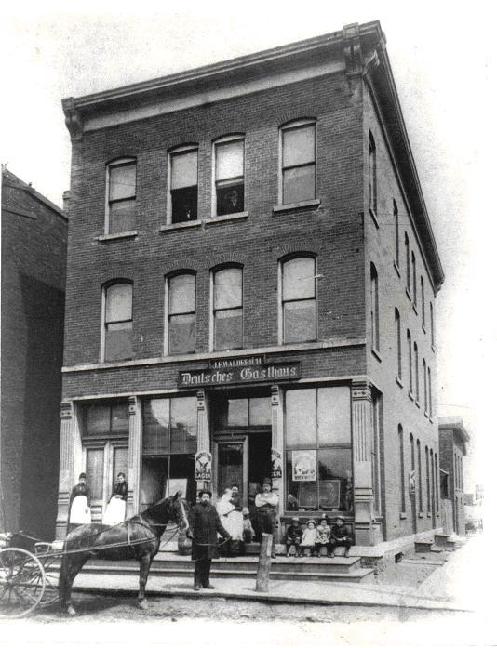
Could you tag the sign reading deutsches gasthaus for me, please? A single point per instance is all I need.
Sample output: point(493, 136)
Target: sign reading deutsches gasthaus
point(234, 375)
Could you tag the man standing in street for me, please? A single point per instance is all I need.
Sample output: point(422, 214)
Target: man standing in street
point(205, 525)
point(266, 504)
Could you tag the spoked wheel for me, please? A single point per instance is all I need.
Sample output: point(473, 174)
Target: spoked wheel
point(22, 582)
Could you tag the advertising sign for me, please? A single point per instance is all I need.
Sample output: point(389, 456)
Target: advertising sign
point(203, 466)
point(276, 464)
point(238, 374)
point(304, 465)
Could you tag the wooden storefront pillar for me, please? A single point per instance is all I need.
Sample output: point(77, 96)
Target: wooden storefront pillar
point(362, 431)
point(277, 448)
point(134, 454)
point(71, 458)
point(203, 441)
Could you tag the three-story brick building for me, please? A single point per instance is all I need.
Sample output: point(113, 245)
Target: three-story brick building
point(251, 289)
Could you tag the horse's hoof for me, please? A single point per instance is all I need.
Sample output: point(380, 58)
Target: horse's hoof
point(71, 611)
point(143, 605)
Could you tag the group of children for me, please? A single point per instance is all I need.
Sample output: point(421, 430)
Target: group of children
point(314, 537)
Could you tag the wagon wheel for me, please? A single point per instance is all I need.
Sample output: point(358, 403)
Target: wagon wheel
point(22, 582)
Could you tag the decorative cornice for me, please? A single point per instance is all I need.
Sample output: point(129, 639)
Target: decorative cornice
point(73, 119)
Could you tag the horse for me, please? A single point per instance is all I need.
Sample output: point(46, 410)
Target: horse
point(135, 539)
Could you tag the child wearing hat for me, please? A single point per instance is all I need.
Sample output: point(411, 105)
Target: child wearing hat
point(293, 537)
point(340, 537)
point(323, 531)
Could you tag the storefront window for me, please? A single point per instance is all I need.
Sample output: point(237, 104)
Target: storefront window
point(319, 449)
point(249, 412)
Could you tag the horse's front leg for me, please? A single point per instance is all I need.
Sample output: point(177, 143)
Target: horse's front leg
point(145, 563)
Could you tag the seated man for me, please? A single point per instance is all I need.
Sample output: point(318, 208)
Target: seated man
point(293, 537)
point(340, 537)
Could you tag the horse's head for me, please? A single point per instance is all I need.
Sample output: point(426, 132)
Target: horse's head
point(172, 508)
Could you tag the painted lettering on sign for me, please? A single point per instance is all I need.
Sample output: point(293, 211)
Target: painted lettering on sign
point(269, 372)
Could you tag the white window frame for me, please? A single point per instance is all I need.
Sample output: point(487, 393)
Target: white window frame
point(117, 163)
point(212, 274)
point(299, 123)
point(167, 279)
point(187, 148)
point(279, 291)
point(225, 140)
point(103, 301)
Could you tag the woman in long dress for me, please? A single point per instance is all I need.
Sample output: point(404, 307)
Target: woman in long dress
point(115, 513)
point(79, 504)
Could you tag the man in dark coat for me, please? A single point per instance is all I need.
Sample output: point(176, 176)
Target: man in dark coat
point(205, 525)
point(339, 537)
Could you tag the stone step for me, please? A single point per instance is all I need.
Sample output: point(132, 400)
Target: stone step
point(423, 546)
point(445, 541)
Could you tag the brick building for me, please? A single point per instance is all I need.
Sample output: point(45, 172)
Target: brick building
point(253, 277)
point(34, 242)
point(452, 440)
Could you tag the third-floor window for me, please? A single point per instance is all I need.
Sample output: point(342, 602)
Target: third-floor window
point(183, 184)
point(229, 163)
point(298, 162)
point(121, 196)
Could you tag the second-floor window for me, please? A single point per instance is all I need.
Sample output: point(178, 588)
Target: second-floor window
point(298, 162)
point(121, 196)
point(181, 314)
point(416, 370)
point(229, 163)
point(299, 300)
point(399, 344)
point(414, 280)
point(117, 322)
point(375, 309)
point(396, 225)
point(372, 182)
point(408, 262)
point(183, 184)
point(227, 287)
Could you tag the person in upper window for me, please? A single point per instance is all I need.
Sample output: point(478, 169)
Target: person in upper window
point(79, 504)
point(115, 513)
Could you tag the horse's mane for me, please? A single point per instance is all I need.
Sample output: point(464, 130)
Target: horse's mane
point(148, 513)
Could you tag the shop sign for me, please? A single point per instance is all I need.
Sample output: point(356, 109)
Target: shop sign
point(228, 363)
point(203, 466)
point(276, 464)
point(236, 375)
point(304, 465)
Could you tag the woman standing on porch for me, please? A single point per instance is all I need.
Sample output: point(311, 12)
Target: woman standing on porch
point(115, 513)
point(79, 504)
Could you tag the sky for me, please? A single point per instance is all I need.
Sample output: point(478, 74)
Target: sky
point(444, 69)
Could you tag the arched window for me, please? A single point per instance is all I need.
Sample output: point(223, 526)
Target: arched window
point(396, 225)
point(227, 301)
point(229, 175)
point(416, 370)
point(298, 299)
point(180, 322)
point(425, 389)
point(432, 325)
point(423, 302)
point(298, 162)
point(414, 280)
point(402, 485)
point(121, 196)
point(399, 344)
point(183, 184)
point(420, 476)
point(372, 187)
point(117, 327)
point(430, 403)
point(409, 348)
point(408, 263)
point(428, 491)
point(375, 308)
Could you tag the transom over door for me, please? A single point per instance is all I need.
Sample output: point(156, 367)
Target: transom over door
point(231, 466)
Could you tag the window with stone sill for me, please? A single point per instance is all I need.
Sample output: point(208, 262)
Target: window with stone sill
point(227, 313)
point(121, 196)
point(117, 325)
point(180, 300)
point(229, 176)
point(298, 301)
point(298, 162)
point(183, 184)
point(372, 179)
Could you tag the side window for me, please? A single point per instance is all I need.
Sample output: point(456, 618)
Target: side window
point(298, 162)
point(399, 344)
point(227, 289)
point(372, 182)
point(117, 322)
point(121, 196)
point(183, 189)
point(229, 164)
point(408, 263)
point(180, 314)
point(298, 307)
point(375, 309)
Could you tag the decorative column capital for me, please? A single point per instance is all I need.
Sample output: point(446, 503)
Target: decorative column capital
point(132, 405)
point(275, 395)
point(200, 400)
point(66, 410)
point(361, 390)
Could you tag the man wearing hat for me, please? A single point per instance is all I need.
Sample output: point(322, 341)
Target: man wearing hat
point(266, 504)
point(204, 526)
point(294, 537)
point(339, 537)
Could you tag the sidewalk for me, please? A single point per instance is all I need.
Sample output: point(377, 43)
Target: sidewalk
point(446, 589)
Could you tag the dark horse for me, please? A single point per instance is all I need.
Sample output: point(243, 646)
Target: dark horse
point(136, 539)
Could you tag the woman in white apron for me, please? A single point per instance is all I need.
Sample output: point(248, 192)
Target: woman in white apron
point(79, 504)
point(115, 513)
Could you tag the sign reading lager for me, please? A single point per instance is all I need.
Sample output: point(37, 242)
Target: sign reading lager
point(244, 374)
point(203, 466)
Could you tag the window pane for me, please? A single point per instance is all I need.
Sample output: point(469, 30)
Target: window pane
point(155, 418)
point(260, 411)
point(299, 278)
point(182, 294)
point(183, 169)
point(118, 303)
point(300, 418)
point(299, 184)
point(118, 342)
point(183, 425)
point(334, 425)
point(228, 288)
point(182, 333)
point(230, 465)
point(122, 182)
point(335, 479)
point(184, 204)
point(299, 145)
point(237, 412)
point(120, 463)
point(230, 198)
point(95, 472)
point(119, 420)
point(300, 495)
point(122, 216)
point(97, 419)
point(300, 321)
point(229, 160)
point(228, 331)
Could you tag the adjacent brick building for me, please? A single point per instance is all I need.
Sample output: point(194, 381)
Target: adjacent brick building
point(452, 439)
point(34, 242)
point(253, 275)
